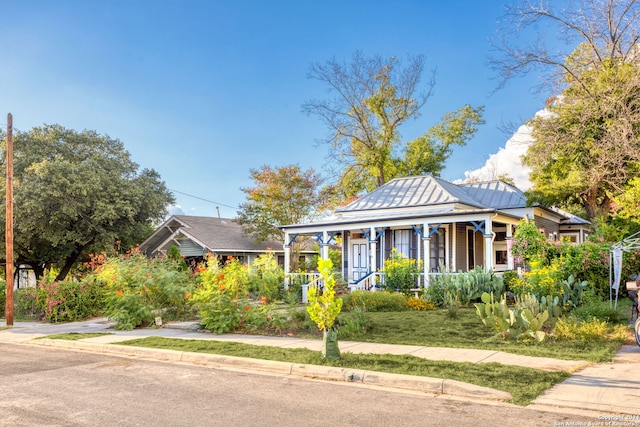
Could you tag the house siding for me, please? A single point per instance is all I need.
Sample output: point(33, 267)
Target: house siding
point(548, 226)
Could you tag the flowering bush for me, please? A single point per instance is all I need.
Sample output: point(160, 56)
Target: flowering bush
point(401, 273)
point(267, 278)
point(528, 243)
point(541, 281)
point(420, 304)
point(139, 289)
point(222, 295)
point(69, 300)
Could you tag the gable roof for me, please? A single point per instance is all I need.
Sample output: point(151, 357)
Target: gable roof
point(429, 191)
point(211, 234)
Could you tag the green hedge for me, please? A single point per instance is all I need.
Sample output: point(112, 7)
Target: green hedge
point(375, 301)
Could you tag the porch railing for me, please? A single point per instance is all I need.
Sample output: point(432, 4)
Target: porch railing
point(370, 282)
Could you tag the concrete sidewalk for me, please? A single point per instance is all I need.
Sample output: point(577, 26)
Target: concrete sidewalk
point(592, 390)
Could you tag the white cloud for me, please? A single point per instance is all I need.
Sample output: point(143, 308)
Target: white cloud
point(508, 160)
point(174, 210)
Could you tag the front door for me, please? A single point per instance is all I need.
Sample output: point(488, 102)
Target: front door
point(359, 259)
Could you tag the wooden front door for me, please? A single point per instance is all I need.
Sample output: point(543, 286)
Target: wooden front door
point(359, 259)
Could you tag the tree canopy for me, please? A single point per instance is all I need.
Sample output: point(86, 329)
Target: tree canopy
point(588, 148)
point(77, 193)
point(371, 98)
point(281, 195)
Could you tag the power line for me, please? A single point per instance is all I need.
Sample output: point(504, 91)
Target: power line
point(206, 200)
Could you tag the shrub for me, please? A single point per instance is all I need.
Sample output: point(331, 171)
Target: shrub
point(542, 280)
point(24, 304)
point(69, 300)
point(267, 279)
point(599, 310)
point(139, 289)
point(401, 273)
point(528, 243)
point(420, 304)
point(222, 295)
point(375, 301)
point(510, 279)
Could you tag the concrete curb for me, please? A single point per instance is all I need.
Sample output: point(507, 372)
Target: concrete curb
point(373, 378)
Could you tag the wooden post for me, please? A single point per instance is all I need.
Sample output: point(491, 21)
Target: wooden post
point(9, 223)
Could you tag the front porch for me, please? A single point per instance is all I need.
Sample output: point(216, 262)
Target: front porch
point(473, 241)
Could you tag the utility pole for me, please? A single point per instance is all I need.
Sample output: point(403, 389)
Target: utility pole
point(9, 223)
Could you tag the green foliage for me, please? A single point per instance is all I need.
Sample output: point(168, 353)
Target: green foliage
point(541, 280)
point(77, 193)
point(512, 323)
point(375, 301)
point(551, 305)
point(589, 261)
point(24, 304)
point(588, 128)
point(139, 289)
point(221, 296)
point(600, 310)
point(324, 307)
point(69, 300)
point(586, 331)
point(428, 153)
point(283, 195)
point(528, 243)
point(463, 287)
point(267, 278)
point(401, 273)
point(374, 96)
point(174, 254)
point(510, 279)
point(353, 324)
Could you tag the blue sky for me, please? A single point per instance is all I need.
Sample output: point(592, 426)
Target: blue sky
point(204, 91)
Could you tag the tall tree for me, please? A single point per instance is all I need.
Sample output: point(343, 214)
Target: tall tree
point(587, 149)
point(372, 98)
point(281, 195)
point(77, 193)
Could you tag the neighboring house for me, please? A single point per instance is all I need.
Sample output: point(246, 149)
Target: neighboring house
point(197, 236)
point(454, 227)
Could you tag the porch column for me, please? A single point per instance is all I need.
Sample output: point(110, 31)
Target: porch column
point(372, 255)
point(324, 249)
point(488, 245)
point(426, 244)
point(510, 260)
point(287, 260)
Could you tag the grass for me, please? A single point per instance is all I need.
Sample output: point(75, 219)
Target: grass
point(524, 384)
point(74, 336)
point(435, 329)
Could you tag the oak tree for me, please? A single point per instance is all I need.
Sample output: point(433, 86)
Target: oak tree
point(77, 193)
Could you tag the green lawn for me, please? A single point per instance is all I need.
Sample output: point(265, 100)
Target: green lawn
point(435, 329)
point(524, 384)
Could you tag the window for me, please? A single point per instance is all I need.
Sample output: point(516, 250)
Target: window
point(437, 248)
point(402, 242)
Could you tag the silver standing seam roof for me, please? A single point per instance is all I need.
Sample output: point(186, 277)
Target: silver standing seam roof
point(426, 190)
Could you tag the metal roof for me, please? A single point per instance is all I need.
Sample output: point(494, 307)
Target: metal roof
point(427, 190)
